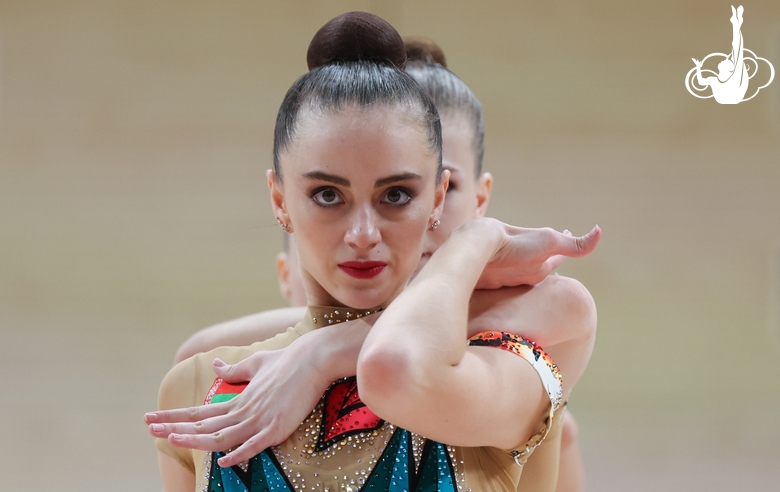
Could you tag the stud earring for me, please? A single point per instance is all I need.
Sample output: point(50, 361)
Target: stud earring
point(285, 227)
point(434, 225)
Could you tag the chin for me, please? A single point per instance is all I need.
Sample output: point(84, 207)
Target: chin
point(363, 299)
point(423, 262)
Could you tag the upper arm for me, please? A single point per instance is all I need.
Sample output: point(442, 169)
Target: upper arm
point(490, 398)
point(559, 314)
point(550, 312)
point(175, 477)
point(241, 331)
point(178, 390)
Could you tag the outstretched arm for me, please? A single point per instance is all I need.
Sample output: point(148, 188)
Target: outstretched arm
point(320, 357)
point(415, 368)
point(701, 80)
point(284, 385)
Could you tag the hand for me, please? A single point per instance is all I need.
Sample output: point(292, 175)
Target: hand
point(283, 390)
point(697, 62)
point(528, 256)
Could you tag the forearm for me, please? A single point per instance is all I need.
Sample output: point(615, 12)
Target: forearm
point(424, 330)
point(416, 368)
point(699, 78)
point(333, 350)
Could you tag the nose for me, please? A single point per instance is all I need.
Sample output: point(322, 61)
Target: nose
point(363, 232)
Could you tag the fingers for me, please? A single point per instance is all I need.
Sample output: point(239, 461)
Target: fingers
point(239, 434)
point(251, 447)
point(217, 441)
point(579, 246)
point(207, 426)
point(554, 262)
point(241, 371)
point(191, 414)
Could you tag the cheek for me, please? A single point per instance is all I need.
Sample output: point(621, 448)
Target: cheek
point(458, 209)
point(407, 238)
point(317, 244)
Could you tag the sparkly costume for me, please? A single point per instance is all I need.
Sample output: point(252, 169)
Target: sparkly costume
point(342, 445)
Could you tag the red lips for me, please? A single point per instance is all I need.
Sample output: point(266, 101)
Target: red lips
point(363, 269)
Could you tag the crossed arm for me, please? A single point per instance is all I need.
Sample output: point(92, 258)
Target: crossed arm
point(558, 313)
point(415, 370)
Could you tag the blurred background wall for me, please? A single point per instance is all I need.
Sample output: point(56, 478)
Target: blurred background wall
point(133, 211)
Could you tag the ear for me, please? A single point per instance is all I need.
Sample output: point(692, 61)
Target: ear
point(484, 189)
point(277, 198)
point(283, 275)
point(441, 193)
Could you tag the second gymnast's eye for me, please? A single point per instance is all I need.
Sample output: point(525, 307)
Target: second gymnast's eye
point(326, 197)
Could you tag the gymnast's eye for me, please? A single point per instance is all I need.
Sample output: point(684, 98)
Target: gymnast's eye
point(326, 197)
point(397, 197)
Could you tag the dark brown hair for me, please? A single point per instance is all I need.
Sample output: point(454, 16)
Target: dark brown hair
point(428, 66)
point(356, 58)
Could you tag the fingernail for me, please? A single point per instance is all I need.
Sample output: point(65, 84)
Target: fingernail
point(218, 363)
point(157, 427)
point(222, 462)
point(175, 437)
point(150, 417)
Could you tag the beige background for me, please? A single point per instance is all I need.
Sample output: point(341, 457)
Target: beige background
point(133, 211)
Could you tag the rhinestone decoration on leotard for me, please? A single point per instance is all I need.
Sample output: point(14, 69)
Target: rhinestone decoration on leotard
point(533, 353)
point(344, 414)
point(544, 366)
point(387, 458)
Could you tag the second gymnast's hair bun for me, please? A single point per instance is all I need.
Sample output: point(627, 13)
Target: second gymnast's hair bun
point(356, 36)
point(424, 50)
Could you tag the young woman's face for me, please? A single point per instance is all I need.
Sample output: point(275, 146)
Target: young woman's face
point(467, 196)
point(359, 191)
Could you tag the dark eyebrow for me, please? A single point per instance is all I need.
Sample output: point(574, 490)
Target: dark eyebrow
point(395, 178)
point(319, 175)
point(322, 176)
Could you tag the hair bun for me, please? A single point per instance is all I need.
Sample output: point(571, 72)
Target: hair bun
point(424, 50)
point(356, 36)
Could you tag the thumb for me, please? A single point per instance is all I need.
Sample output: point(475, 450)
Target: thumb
point(579, 246)
point(554, 262)
point(236, 373)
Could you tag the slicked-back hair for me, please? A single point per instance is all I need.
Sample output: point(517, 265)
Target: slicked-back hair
point(365, 84)
point(451, 95)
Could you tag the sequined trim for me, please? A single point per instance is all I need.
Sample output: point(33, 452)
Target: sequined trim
point(332, 316)
point(386, 458)
point(344, 414)
point(390, 459)
point(546, 368)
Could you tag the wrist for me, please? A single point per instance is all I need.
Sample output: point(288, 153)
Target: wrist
point(489, 232)
point(315, 355)
point(333, 350)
